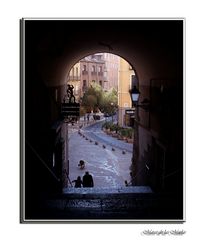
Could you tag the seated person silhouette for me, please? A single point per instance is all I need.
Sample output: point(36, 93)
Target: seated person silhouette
point(78, 182)
point(87, 180)
point(81, 164)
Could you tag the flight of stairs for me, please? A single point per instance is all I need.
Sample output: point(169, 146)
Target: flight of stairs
point(120, 204)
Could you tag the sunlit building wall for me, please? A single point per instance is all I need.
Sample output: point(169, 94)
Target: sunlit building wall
point(111, 71)
point(126, 77)
point(100, 68)
point(92, 71)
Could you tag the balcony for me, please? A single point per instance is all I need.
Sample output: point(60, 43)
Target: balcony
point(93, 73)
point(84, 72)
point(100, 73)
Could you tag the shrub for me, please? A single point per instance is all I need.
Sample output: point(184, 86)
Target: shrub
point(126, 132)
point(107, 125)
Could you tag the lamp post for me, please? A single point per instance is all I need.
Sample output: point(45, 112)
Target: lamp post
point(134, 95)
point(145, 104)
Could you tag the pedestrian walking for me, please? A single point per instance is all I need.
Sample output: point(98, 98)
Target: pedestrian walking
point(78, 182)
point(88, 118)
point(87, 180)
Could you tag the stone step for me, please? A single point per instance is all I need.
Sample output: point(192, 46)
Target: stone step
point(107, 190)
point(113, 203)
point(99, 203)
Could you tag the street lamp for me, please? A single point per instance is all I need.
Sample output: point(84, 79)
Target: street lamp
point(135, 93)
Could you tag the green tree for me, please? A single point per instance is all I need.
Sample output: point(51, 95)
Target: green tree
point(110, 101)
point(96, 99)
point(92, 98)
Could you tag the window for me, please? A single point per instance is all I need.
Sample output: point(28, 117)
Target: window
point(93, 68)
point(84, 70)
point(98, 57)
point(84, 86)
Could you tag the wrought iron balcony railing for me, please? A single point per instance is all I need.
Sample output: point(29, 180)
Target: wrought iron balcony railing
point(84, 72)
point(93, 73)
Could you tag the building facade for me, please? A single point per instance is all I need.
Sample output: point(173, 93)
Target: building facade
point(92, 71)
point(126, 81)
point(111, 71)
point(100, 68)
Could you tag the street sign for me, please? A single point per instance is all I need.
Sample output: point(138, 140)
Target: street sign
point(130, 111)
point(70, 109)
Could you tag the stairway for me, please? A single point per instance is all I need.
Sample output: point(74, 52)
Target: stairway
point(101, 204)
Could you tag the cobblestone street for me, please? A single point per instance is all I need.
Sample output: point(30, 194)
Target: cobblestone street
point(109, 168)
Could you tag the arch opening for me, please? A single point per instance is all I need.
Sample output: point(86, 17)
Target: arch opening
point(102, 83)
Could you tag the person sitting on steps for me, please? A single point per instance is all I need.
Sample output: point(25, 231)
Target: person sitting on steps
point(78, 182)
point(87, 180)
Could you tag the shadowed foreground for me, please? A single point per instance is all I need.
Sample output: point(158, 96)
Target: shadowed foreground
point(131, 203)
